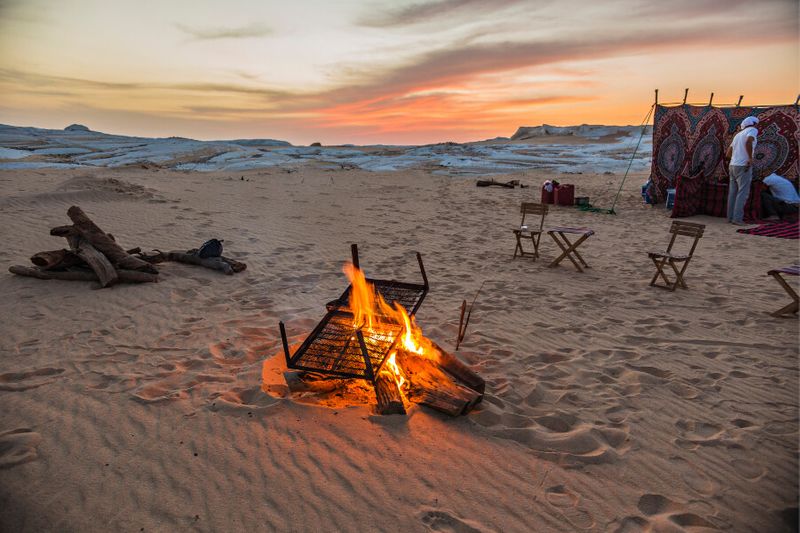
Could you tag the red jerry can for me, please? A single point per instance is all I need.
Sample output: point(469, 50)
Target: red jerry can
point(547, 197)
point(564, 194)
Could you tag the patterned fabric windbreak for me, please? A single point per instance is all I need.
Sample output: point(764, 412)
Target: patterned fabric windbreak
point(687, 137)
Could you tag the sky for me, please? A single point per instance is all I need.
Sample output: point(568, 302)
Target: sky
point(383, 71)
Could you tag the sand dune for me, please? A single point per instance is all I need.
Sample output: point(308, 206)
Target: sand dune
point(610, 406)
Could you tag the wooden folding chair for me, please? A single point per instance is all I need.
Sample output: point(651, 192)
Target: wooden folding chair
point(524, 231)
point(661, 259)
point(792, 308)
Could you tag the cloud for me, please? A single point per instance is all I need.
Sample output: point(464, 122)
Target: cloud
point(241, 32)
point(424, 12)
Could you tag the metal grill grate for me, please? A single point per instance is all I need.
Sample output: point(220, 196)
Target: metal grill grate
point(409, 295)
point(337, 347)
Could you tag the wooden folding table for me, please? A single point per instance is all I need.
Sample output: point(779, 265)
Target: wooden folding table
point(570, 249)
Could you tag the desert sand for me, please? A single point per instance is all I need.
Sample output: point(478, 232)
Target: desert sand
point(610, 406)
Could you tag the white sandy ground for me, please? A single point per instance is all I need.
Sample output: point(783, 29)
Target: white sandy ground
point(610, 406)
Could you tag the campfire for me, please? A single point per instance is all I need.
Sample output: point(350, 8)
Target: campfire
point(370, 333)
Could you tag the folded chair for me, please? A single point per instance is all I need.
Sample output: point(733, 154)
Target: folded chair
point(662, 259)
point(792, 308)
point(533, 231)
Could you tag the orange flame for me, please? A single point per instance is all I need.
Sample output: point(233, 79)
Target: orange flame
point(370, 312)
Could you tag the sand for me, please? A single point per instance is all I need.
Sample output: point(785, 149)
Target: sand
point(610, 406)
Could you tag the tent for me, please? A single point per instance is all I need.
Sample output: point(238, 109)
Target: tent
point(689, 143)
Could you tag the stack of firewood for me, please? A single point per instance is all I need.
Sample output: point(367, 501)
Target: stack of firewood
point(439, 381)
point(94, 255)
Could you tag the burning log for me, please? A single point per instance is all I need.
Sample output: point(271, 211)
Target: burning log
point(459, 370)
point(105, 243)
point(447, 402)
point(390, 401)
point(126, 276)
point(301, 381)
point(432, 385)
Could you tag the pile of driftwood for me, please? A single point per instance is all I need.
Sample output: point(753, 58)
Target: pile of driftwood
point(94, 255)
point(507, 184)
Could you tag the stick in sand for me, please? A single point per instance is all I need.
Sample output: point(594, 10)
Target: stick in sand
point(463, 330)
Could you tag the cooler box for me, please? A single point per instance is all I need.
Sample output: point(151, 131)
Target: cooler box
point(547, 197)
point(564, 195)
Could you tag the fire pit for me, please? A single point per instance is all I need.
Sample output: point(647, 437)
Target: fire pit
point(370, 333)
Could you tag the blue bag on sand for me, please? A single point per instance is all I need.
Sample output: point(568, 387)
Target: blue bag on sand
point(210, 248)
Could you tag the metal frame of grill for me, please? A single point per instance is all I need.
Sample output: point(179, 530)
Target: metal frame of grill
point(336, 347)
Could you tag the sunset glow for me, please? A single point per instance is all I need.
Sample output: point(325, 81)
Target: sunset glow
point(382, 71)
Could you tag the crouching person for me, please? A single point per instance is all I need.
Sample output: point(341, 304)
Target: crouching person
point(780, 199)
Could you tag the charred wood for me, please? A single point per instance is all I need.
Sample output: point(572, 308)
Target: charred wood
point(390, 401)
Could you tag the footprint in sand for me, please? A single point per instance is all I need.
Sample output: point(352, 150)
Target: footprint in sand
point(702, 433)
point(693, 477)
point(18, 446)
point(29, 379)
point(441, 520)
point(566, 503)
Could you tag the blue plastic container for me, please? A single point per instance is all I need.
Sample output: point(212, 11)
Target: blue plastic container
point(670, 198)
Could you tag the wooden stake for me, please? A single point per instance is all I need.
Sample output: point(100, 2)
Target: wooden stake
point(459, 335)
point(390, 401)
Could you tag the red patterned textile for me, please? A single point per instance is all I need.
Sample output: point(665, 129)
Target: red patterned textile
point(688, 196)
point(696, 137)
point(695, 196)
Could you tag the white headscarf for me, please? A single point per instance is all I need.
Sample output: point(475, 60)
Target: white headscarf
point(749, 121)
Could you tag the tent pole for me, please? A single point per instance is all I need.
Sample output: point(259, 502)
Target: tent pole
point(657, 97)
point(710, 99)
point(740, 100)
point(685, 94)
point(633, 155)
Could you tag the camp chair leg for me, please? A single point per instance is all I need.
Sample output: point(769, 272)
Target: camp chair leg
point(535, 239)
point(791, 308)
point(659, 271)
point(678, 277)
point(518, 247)
point(683, 270)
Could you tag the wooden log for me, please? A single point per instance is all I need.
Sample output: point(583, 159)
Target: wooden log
point(105, 244)
point(237, 266)
point(214, 263)
point(445, 401)
point(56, 259)
point(301, 381)
point(390, 401)
point(432, 385)
point(126, 276)
point(459, 370)
point(102, 267)
point(63, 231)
